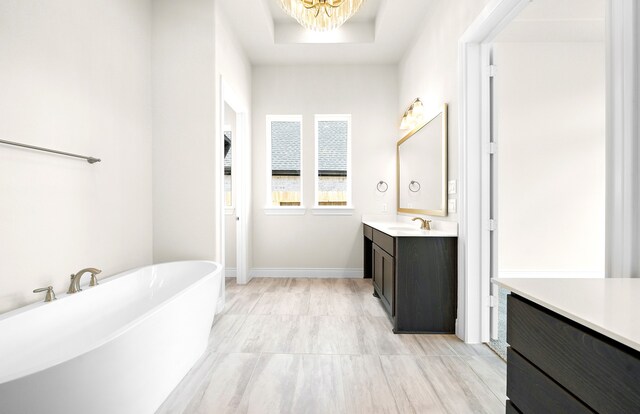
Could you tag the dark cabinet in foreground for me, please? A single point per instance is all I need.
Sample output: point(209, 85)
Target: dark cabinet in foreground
point(415, 278)
point(556, 365)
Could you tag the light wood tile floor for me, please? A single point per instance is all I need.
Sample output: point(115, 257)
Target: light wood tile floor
point(326, 346)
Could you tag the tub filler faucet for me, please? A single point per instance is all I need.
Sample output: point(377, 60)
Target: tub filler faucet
point(74, 287)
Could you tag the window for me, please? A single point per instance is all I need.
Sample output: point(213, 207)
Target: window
point(284, 161)
point(333, 160)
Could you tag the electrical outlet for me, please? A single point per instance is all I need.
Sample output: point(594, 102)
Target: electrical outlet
point(452, 187)
point(452, 205)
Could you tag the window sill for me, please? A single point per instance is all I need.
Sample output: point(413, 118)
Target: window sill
point(285, 211)
point(332, 211)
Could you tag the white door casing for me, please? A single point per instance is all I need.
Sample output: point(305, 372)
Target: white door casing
point(241, 182)
point(623, 146)
point(623, 155)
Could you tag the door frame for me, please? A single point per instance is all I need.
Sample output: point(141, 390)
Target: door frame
point(241, 181)
point(623, 154)
point(474, 160)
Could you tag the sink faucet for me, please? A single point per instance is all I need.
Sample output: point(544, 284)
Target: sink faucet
point(74, 287)
point(425, 223)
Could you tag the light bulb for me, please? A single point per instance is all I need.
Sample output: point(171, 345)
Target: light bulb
point(404, 124)
point(418, 109)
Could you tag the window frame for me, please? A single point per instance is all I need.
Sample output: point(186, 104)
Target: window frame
point(333, 210)
point(269, 208)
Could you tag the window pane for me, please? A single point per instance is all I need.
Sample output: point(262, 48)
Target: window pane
point(227, 169)
point(285, 163)
point(332, 162)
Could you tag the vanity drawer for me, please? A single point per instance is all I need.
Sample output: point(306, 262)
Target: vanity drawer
point(533, 392)
point(602, 373)
point(367, 231)
point(385, 241)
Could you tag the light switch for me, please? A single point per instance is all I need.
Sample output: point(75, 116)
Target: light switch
point(453, 187)
point(452, 205)
point(384, 207)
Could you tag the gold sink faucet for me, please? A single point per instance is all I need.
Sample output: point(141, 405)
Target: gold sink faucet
point(74, 287)
point(425, 224)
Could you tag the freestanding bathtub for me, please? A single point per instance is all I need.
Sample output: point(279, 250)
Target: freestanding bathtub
point(116, 348)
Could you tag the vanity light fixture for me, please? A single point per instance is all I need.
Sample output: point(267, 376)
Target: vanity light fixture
point(321, 15)
point(413, 115)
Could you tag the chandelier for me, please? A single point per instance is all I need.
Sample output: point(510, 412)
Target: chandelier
point(321, 15)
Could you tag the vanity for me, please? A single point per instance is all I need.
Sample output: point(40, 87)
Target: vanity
point(414, 273)
point(414, 268)
point(574, 345)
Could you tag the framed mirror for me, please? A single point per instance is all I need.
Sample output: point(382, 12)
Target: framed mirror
point(422, 168)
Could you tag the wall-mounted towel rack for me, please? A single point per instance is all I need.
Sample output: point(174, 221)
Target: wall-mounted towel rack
point(90, 160)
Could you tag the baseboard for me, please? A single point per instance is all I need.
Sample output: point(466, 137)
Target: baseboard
point(551, 274)
point(230, 272)
point(320, 273)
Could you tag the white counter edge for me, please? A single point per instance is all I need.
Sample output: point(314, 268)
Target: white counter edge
point(621, 338)
point(385, 228)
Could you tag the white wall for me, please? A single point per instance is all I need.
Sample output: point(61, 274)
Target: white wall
point(370, 94)
point(232, 62)
point(75, 77)
point(429, 70)
point(186, 194)
point(551, 138)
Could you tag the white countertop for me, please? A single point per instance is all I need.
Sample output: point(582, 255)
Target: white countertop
point(412, 229)
point(608, 306)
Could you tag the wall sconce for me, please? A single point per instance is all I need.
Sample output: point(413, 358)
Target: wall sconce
point(413, 115)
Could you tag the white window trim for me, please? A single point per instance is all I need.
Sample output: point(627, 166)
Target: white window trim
point(269, 208)
point(285, 211)
point(333, 210)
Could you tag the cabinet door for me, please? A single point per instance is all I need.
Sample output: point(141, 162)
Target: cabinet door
point(378, 270)
point(383, 276)
point(388, 281)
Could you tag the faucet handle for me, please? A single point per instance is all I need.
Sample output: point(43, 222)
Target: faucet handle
point(94, 280)
point(50, 296)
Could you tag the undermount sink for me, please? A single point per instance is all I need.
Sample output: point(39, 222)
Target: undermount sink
point(404, 229)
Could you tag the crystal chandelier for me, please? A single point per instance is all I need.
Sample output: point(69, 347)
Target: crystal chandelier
point(321, 15)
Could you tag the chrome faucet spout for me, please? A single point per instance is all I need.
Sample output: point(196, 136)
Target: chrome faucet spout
point(74, 286)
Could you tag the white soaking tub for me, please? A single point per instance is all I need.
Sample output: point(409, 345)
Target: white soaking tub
point(116, 348)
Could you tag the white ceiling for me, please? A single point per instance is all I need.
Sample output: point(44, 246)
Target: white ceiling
point(558, 21)
point(380, 32)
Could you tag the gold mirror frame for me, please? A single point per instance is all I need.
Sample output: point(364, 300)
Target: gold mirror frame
point(442, 212)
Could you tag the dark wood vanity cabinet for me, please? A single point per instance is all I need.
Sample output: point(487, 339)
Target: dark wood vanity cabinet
point(555, 365)
point(415, 279)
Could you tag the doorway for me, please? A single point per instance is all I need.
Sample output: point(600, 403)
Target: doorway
point(235, 184)
point(476, 151)
point(548, 155)
point(229, 133)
